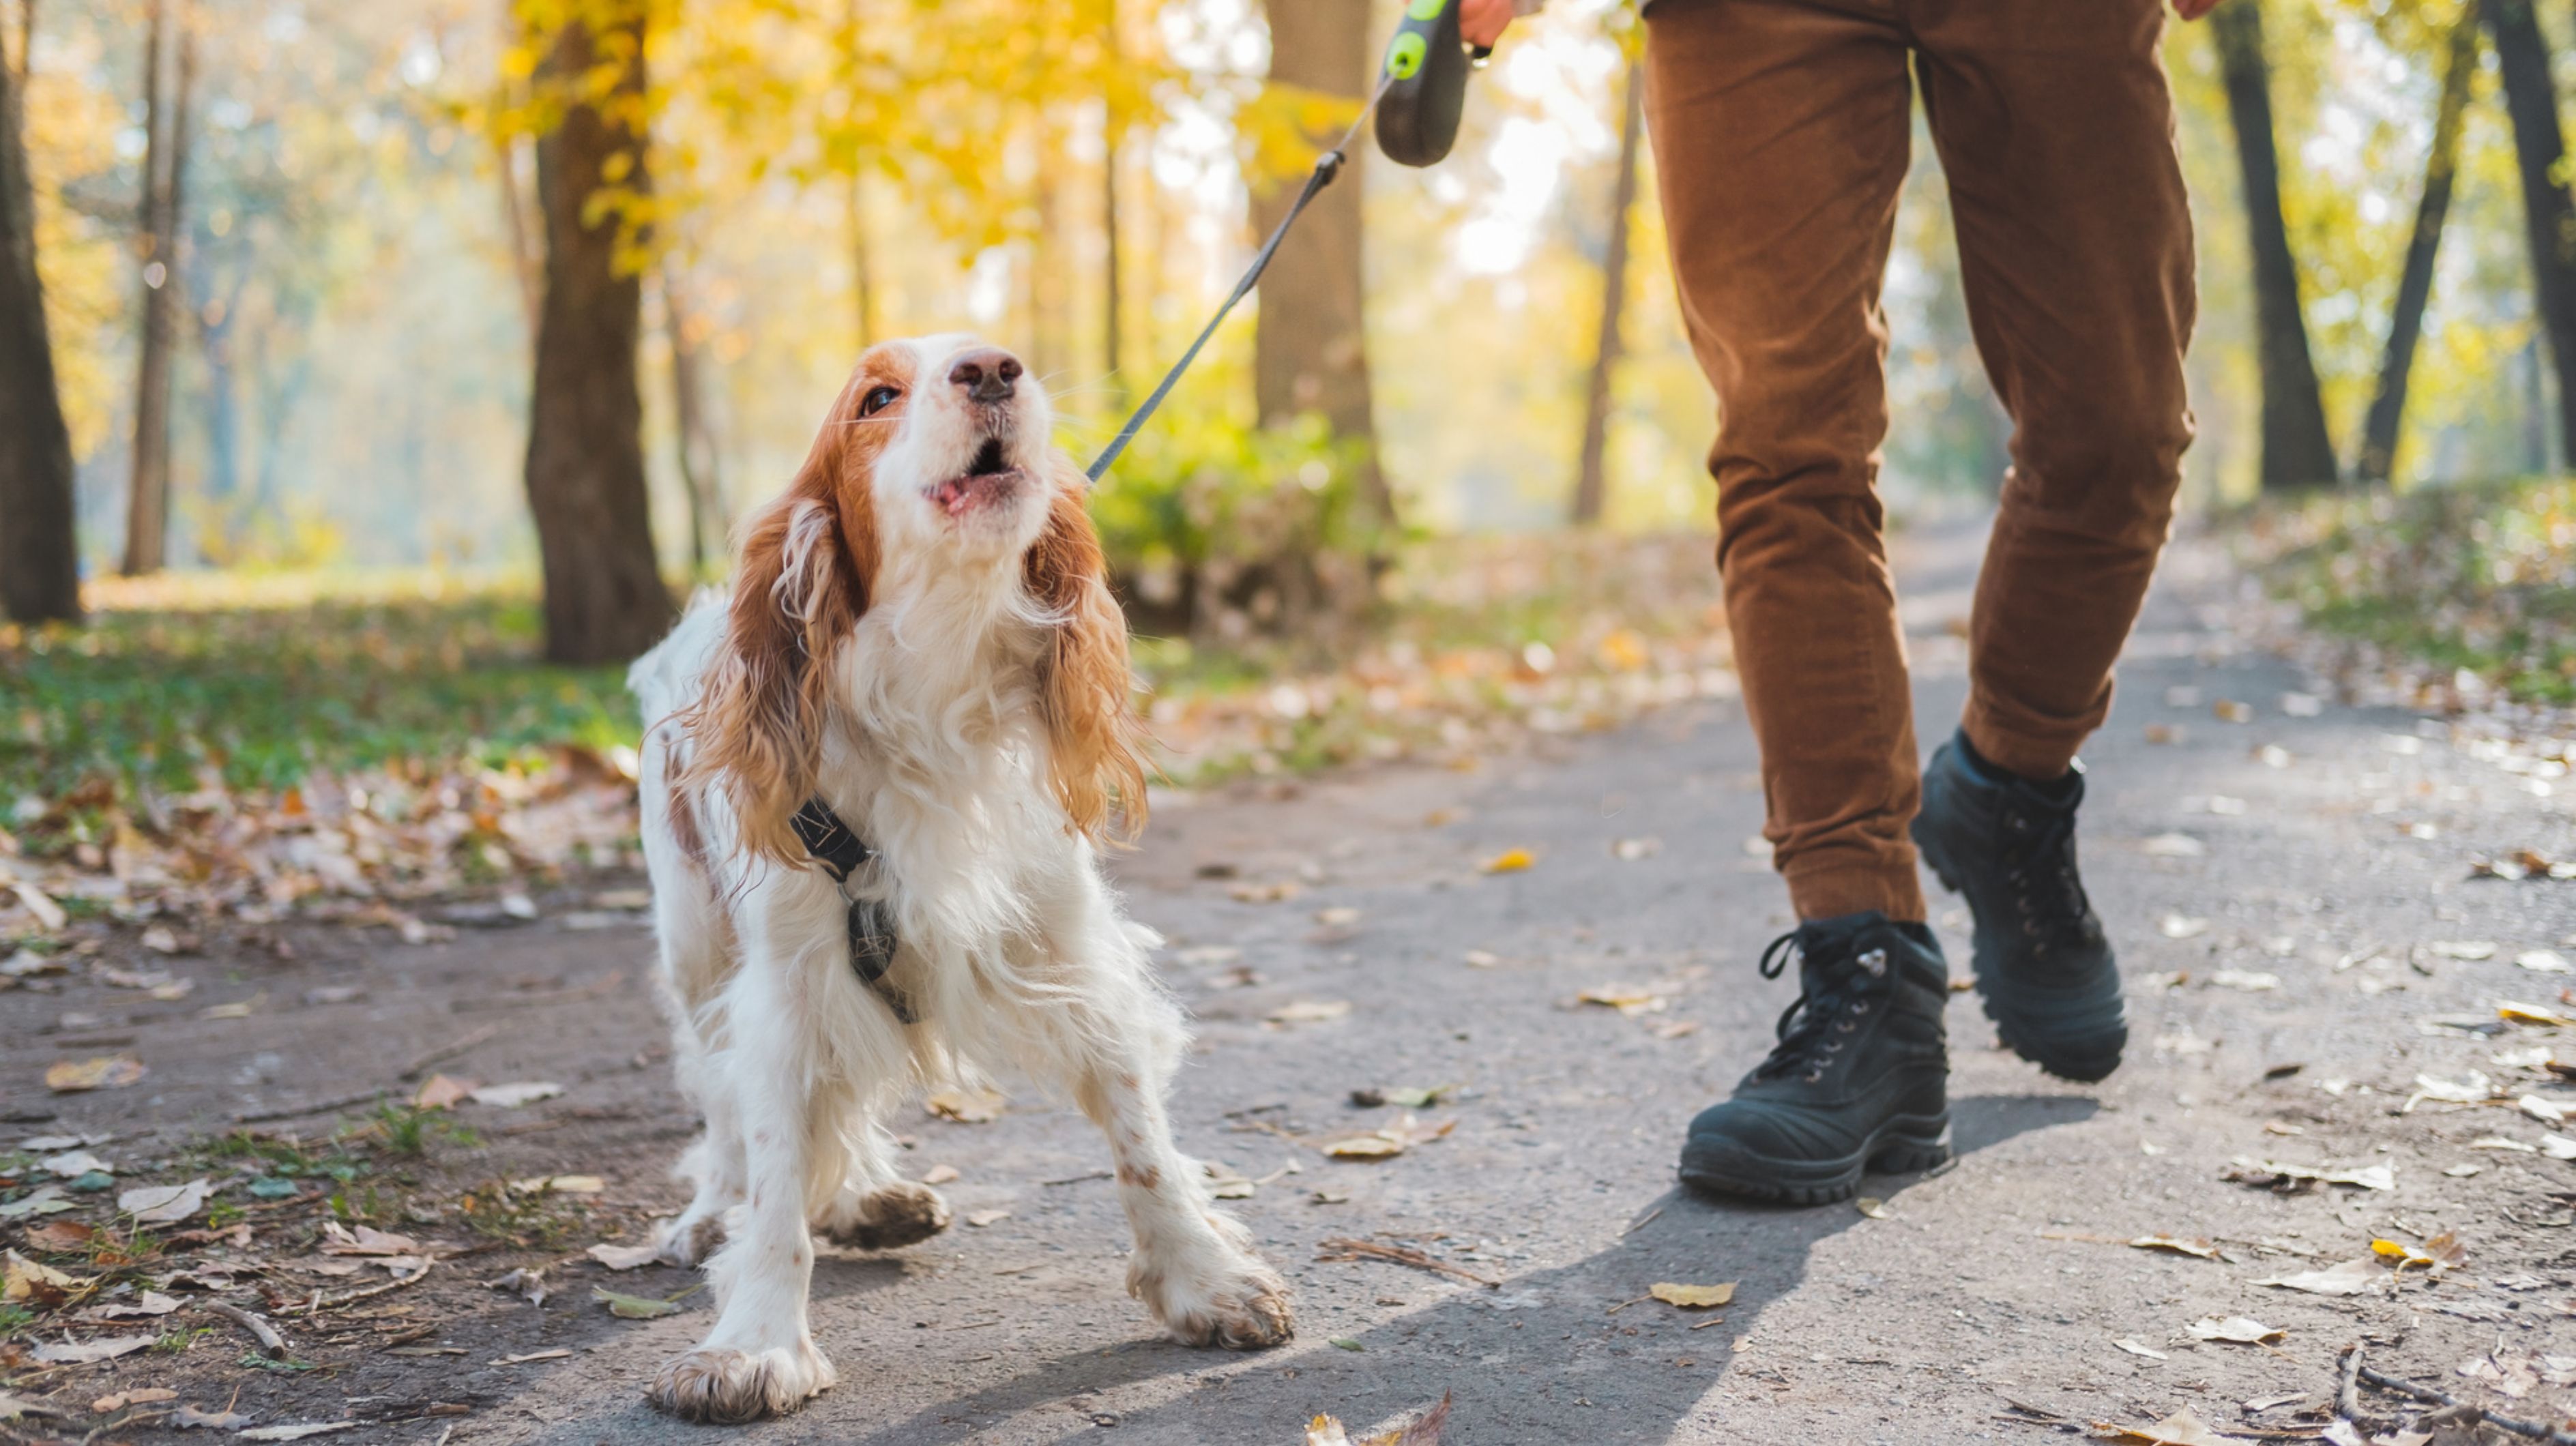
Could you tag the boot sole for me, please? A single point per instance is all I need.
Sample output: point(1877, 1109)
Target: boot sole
point(2086, 1056)
point(1904, 1145)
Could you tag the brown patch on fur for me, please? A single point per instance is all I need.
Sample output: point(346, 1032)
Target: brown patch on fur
point(1096, 753)
point(688, 835)
point(807, 565)
point(1144, 1179)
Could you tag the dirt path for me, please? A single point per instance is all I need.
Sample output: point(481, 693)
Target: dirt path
point(2329, 853)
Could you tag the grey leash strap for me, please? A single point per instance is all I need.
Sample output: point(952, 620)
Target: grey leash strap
point(1327, 166)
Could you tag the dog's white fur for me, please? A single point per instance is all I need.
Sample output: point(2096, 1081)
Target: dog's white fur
point(936, 745)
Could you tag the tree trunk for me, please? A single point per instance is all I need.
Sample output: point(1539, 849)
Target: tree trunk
point(2297, 452)
point(165, 172)
point(39, 551)
point(2415, 281)
point(700, 474)
point(1311, 353)
point(2549, 220)
point(1591, 478)
point(605, 600)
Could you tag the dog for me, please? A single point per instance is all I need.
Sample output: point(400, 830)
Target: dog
point(920, 640)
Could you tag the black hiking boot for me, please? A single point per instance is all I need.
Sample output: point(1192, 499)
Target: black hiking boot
point(1859, 1080)
point(2008, 845)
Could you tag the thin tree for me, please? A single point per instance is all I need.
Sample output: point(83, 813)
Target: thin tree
point(2297, 452)
point(1591, 474)
point(1311, 351)
point(39, 549)
point(165, 178)
point(701, 475)
point(2379, 428)
point(2549, 219)
point(604, 596)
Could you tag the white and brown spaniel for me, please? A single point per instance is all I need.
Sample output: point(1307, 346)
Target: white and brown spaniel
point(920, 644)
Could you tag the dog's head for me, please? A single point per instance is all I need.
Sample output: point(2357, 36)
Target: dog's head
point(936, 460)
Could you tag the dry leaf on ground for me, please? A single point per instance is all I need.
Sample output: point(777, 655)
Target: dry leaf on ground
point(98, 1348)
point(145, 1396)
point(967, 1106)
point(2239, 1329)
point(1310, 1011)
point(2182, 1428)
point(2135, 1349)
point(441, 1091)
point(1509, 861)
point(1326, 1431)
point(2352, 1277)
point(1631, 999)
point(2197, 1249)
point(1693, 1297)
point(24, 1279)
point(102, 1072)
point(367, 1240)
point(981, 1218)
point(511, 1096)
point(633, 1307)
point(939, 1175)
point(623, 1257)
point(2289, 1178)
point(164, 1204)
point(1872, 1206)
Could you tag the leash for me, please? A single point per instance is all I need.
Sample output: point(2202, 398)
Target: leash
point(870, 924)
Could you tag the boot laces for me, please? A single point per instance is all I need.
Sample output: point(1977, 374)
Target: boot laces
point(2046, 887)
point(1816, 1025)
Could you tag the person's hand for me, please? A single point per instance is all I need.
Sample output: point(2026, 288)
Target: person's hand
point(2193, 9)
point(1482, 22)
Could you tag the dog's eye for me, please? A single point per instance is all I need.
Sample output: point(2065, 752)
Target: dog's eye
point(878, 400)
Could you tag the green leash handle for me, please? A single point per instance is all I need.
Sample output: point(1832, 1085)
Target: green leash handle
point(1425, 77)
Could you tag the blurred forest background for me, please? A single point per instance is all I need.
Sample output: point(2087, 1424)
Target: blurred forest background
point(389, 352)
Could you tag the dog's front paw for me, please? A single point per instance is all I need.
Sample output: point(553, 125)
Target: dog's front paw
point(1242, 1306)
point(904, 1213)
point(727, 1388)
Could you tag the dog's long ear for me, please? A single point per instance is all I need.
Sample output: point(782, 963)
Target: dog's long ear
point(803, 581)
point(1097, 745)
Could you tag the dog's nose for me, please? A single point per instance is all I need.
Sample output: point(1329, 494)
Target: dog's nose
point(987, 375)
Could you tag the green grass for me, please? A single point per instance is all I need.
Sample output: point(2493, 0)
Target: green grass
point(2471, 577)
point(262, 694)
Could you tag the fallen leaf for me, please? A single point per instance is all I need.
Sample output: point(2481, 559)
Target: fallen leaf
point(188, 1418)
point(61, 1235)
point(368, 1240)
point(2513, 1012)
point(1693, 1297)
point(103, 1072)
point(1630, 850)
point(76, 1163)
point(143, 1396)
point(2173, 846)
point(43, 1200)
point(2545, 1111)
point(967, 1106)
point(1871, 1206)
point(2197, 1249)
point(2467, 950)
point(1280, 892)
point(511, 1096)
point(1340, 916)
point(164, 1204)
point(1481, 959)
point(2544, 961)
point(2178, 926)
point(2556, 1147)
point(2499, 1142)
point(939, 1175)
point(1310, 1011)
point(2294, 1177)
point(560, 1185)
point(2135, 1349)
point(2248, 981)
point(24, 1279)
point(151, 1303)
point(633, 1307)
point(13, 1408)
point(97, 1348)
point(1629, 999)
point(529, 1285)
point(1371, 1146)
point(2182, 1428)
point(1509, 861)
point(981, 1218)
point(2241, 1330)
point(623, 1257)
point(2352, 1277)
point(557, 1354)
point(441, 1091)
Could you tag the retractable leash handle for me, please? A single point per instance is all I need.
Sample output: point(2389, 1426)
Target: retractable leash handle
point(1426, 84)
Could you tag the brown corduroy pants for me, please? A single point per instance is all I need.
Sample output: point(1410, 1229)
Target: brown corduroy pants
point(1781, 130)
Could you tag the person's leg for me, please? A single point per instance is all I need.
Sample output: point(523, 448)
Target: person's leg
point(2056, 131)
point(1781, 130)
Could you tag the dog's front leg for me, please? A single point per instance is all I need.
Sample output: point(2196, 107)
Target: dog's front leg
point(760, 1359)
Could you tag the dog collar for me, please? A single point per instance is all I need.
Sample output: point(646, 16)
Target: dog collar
point(839, 849)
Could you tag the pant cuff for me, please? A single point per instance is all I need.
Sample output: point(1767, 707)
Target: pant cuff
point(2042, 760)
point(1832, 892)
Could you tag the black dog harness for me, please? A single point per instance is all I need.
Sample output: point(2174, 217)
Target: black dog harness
point(842, 852)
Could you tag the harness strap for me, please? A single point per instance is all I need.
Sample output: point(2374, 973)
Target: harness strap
point(841, 852)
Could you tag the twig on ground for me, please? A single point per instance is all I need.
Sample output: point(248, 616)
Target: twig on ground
point(271, 1344)
point(370, 1293)
point(1078, 1179)
point(1346, 1249)
point(2533, 1429)
point(448, 1052)
point(318, 1107)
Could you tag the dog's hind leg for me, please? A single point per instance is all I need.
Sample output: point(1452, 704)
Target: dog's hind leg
point(875, 1207)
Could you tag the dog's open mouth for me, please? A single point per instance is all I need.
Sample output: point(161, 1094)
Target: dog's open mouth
point(989, 478)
